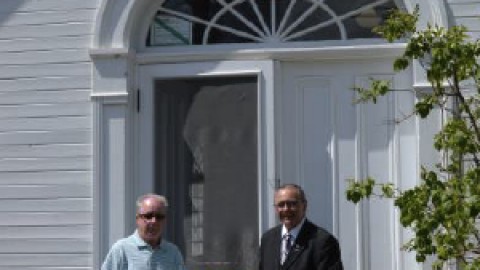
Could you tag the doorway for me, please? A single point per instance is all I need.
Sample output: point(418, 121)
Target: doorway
point(204, 143)
point(206, 164)
point(217, 137)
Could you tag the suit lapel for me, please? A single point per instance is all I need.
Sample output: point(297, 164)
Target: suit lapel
point(276, 245)
point(293, 255)
point(299, 246)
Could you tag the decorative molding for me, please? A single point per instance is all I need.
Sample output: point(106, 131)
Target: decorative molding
point(285, 54)
point(110, 98)
point(111, 74)
point(108, 53)
point(422, 86)
point(119, 21)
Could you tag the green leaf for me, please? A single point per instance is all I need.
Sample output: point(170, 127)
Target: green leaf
point(388, 190)
point(442, 210)
point(401, 63)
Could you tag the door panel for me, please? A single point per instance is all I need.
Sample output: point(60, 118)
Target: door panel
point(376, 156)
point(327, 139)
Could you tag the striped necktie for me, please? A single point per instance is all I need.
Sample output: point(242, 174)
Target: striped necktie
point(286, 244)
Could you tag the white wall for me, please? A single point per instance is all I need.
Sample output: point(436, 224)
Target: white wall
point(46, 130)
point(466, 12)
point(45, 134)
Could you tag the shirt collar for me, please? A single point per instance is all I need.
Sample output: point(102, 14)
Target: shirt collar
point(294, 231)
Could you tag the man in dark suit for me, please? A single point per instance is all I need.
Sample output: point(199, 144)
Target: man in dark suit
point(297, 243)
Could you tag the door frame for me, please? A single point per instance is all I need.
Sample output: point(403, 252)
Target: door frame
point(143, 128)
point(114, 93)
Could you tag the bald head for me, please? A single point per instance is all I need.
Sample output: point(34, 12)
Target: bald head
point(151, 196)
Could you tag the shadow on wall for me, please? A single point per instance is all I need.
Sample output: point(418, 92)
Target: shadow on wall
point(7, 7)
point(450, 15)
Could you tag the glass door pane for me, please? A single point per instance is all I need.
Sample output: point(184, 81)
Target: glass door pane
point(206, 147)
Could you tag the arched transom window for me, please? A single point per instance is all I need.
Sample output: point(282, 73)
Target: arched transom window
point(201, 22)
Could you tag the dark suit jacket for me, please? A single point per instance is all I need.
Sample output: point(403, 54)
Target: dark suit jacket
point(314, 249)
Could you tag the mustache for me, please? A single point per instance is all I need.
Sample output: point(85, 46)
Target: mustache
point(287, 215)
point(152, 228)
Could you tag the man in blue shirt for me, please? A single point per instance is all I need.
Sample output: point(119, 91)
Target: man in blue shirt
point(145, 249)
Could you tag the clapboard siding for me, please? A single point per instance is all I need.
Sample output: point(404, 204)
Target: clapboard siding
point(466, 10)
point(45, 246)
point(46, 110)
point(10, 267)
point(45, 83)
point(44, 43)
point(46, 134)
point(40, 70)
point(45, 205)
point(45, 261)
point(46, 219)
point(46, 5)
point(46, 137)
point(48, 17)
point(45, 151)
point(50, 30)
point(69, 178)
point(44, 164)
point(50, 232)
point(452, 2)
point(44, 97)
point(472, 23)
point(44, 192)
point(44, 57)
point(45, 124)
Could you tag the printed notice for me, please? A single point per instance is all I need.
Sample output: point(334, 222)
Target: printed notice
point(170, 30)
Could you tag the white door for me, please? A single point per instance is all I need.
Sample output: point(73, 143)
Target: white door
point(327, 139)
point(309, 132)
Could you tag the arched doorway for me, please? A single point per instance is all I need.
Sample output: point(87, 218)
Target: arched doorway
point(305, 129)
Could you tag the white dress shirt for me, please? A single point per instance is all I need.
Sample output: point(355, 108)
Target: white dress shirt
point(293, 233)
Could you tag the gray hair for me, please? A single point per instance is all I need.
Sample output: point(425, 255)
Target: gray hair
point(157, 197)
point(301, 193)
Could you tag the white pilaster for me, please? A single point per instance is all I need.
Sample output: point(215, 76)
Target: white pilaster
point(113, 205)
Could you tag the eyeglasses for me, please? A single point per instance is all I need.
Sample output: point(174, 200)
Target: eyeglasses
point(151, 215)
point(288, 204)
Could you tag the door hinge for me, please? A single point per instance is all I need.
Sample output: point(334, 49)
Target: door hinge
point(277, 182)
point(138, 100)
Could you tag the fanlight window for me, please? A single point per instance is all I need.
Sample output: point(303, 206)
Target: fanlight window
point(200, 22)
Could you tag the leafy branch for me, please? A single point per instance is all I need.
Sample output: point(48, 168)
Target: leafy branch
point(443, 208)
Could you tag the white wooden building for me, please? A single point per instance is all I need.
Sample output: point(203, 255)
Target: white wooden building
point(212, 103)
